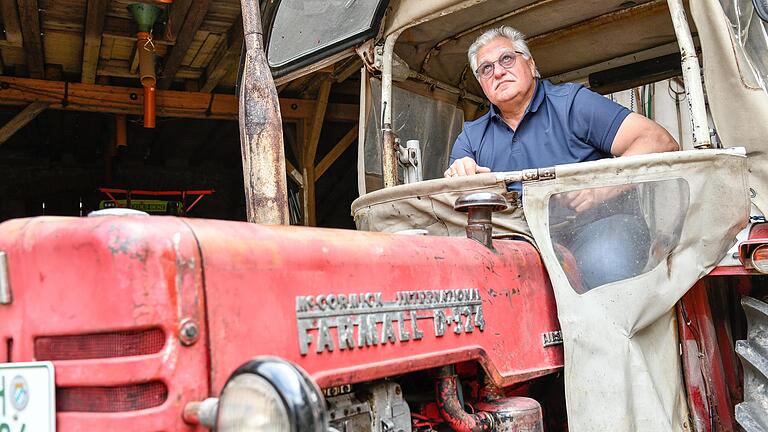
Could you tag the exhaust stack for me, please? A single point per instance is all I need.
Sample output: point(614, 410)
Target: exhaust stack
point(261, 130)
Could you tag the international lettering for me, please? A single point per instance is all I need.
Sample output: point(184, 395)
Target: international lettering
point(330, 322)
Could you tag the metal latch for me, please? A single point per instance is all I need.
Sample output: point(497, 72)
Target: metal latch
point(5, 284)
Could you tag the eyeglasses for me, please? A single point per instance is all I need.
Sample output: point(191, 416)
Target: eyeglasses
point(506, 60)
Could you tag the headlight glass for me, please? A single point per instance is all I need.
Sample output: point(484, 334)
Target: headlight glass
point(760, 258)
point(250, 403)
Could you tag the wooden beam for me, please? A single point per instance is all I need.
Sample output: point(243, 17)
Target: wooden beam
point(11, 23)
point(122, 69)
point(294, 173)
point(310, 151)
point(345, 69)
point(293, 138)
point(96, 12)
point(335, 152)
point(186, 35)
point(125, 29)
point(177, 13)
point(127, 100)
point(227, 59)
point(22, 119)
point(29, 18)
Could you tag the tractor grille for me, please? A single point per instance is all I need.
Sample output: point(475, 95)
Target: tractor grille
point(100, 345)
point(131, 397)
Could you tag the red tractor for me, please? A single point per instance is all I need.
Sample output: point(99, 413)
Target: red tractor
point(163, 323)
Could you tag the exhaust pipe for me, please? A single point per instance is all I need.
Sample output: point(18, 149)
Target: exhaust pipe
point(520, 414)
point(261, 129)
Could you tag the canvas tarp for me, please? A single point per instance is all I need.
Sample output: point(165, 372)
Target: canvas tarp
point(739, 104)
point(622, 365)
point(428, 205)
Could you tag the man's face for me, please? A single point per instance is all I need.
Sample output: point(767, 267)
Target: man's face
point(505, 85)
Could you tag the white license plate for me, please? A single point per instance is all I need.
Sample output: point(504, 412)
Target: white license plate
point(27, 397)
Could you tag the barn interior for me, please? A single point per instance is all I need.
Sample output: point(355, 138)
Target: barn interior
point(76, 134)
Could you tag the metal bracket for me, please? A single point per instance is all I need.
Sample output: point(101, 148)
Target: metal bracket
point(537, 174)
point(410, 159)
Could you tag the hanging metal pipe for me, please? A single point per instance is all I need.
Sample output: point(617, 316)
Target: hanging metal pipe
point(694, 91)
point(389, 153)
point(149, 107)
point(121, 131)
point(261, 129)
point(146, 52)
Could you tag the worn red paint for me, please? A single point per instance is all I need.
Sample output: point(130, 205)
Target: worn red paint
point(98, 275)
point(239, 283)
point(705, 376)
point(256, 272)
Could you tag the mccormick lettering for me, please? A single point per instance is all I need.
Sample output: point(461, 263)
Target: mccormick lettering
point(347, 321)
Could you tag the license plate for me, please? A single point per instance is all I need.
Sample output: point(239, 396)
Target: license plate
point(27, 397)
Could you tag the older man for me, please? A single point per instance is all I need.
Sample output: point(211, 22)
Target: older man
point(533, 123)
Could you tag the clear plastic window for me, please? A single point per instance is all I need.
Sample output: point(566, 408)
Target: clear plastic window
point(436, 124)
point(607, 234)
point(305, 26)
point(751, 34)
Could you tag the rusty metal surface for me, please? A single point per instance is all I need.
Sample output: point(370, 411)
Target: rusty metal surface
point(389, 158)
point(261, 130)
point(752, 414)
point(452, 410)
point(109, 274)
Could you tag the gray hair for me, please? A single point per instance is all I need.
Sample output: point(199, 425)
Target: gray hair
point(507, 32)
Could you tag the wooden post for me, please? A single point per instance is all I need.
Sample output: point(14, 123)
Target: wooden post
point(310, 151)
point(22, 119)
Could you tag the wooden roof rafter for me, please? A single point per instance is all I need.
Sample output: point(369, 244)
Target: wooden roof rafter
point(11, 23)
point(176, 14)
point(96, 12)
point(227, 58)
point(193, 21)
point(29, 18)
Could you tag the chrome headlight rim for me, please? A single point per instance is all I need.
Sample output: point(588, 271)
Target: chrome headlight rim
point(301, 396)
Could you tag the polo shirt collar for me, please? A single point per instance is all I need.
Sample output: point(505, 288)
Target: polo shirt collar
point(533, 106)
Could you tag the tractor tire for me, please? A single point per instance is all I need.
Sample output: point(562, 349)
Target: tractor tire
point(752, 414)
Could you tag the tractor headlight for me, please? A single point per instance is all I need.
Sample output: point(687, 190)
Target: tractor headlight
point(250, 403)
point(760, 258)
point(270, 394)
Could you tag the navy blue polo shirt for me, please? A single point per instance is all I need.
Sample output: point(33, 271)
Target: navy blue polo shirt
point(564, 123)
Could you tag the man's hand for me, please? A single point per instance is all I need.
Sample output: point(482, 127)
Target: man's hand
point(464, 167)
point(586, 199)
